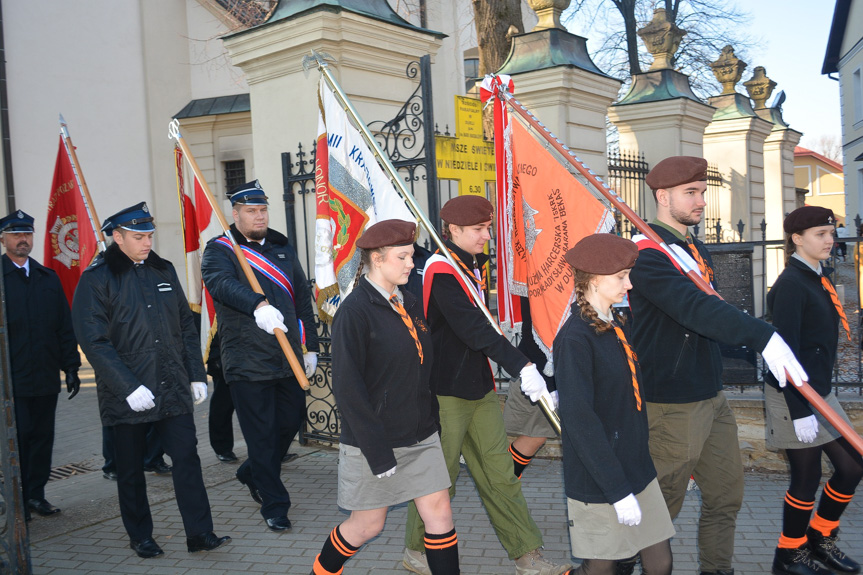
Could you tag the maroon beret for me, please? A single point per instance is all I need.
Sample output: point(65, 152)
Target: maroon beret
point(467, 210)
point(602, 254)
point(387, 233)
point(807, 217)
point(676, 171)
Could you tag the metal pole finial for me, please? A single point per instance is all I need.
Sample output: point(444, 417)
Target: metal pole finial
point(316, 60)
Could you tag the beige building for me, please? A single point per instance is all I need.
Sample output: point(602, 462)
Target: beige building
point(844, 57)
point(822, 179)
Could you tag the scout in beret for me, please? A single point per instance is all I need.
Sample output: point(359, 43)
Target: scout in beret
point(808, 313)
point(382, 365)
point(608, 479)
point(470, 415)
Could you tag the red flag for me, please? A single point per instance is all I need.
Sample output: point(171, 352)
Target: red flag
point(69, 237)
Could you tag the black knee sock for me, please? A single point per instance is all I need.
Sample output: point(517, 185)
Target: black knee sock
point(795, 519)
point(833, 503)
point(442, 553)
point(519, 461)
point(335, 552)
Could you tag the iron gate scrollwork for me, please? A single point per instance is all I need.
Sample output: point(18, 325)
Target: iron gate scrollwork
point(408, 140)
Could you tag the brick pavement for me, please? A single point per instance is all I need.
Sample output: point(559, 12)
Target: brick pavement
point(88, 537)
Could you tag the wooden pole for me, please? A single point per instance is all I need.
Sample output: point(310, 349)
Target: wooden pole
point(296, 366)
point(82, 185)
point(810, 394)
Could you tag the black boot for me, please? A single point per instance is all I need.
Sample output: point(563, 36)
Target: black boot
point(824, 549)
point(797, 561)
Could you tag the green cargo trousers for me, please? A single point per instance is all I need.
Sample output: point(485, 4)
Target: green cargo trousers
point(474, 429)
point(699, 439)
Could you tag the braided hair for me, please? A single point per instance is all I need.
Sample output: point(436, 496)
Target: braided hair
point(366, 261)
point(587, 311)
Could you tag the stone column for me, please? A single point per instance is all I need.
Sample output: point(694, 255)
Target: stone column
point(371, 55)
point(660, 115)
point(557, 81)
point(734, 142)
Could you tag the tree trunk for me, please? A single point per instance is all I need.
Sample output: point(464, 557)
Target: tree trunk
point(627, 11)
point(493, 19)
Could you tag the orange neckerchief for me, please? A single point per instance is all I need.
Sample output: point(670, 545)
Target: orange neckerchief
point(630, 357)
point(408, 322)
point(837, 304)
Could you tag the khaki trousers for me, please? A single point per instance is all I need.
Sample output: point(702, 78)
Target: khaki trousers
point(700, 439)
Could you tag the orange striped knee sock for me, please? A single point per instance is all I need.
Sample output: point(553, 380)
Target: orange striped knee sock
point(519, 460)
point(830, 509)
point(442, 553)
point(335, 552)
point(795, 517)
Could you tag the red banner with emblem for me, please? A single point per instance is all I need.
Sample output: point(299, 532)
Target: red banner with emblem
point(70, 241)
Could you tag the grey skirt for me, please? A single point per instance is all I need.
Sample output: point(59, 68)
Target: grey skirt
point(420, 470)
point(594, 532)
point(780, 426)
point(521, 417)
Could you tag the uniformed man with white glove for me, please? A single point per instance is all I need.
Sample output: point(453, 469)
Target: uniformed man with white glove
point(134, 324)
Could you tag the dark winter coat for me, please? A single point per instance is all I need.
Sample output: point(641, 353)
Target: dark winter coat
point(605, 453)
point(805, 317)
point(464, 339)
point(135, 327)
point(248, 353)
point(676, 327)
point(380, 387)
point(41, 338)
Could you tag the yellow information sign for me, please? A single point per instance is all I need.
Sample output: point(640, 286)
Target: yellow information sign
point(466, 157)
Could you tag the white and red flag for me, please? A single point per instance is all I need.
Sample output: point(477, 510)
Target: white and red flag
point(199, 225)
point(351, 193)
point(70, 241)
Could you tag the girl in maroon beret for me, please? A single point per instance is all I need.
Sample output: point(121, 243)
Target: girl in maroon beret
point(616, 508)
point(808, 315)
point(390, 449)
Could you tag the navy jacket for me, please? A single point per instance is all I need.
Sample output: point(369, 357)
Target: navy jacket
point(381, 388)
point(805, 317)
point(41, 338)
point(605, 453)
point(675, 327)
point(249, 353)
point(135, 327)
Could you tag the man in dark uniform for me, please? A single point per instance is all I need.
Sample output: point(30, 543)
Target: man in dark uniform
point(221, 419)
point(41, 343)
point(676, 328)
point(135, 326)
point(270, 404)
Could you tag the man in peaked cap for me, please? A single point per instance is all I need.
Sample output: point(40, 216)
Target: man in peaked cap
point(41, 343)
point(137, 330)
point(675, 332)
point(269, 402)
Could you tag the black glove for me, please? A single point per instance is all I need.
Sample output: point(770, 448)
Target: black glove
point(73, 382)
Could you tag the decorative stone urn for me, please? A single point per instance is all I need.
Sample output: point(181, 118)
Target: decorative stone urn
point(760, 87)
point(549, 12)
point(728, 70)
point(662, 39)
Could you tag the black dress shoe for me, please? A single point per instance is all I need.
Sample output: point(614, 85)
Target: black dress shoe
point(797, 561)
point(42, 507)
point(253, 490)
point(205, 542)
point(289, 457)
point(159, 468)
point(279, 523)
point(824, 549)
point(112, 475)
point(147, 548)
point(227, 457)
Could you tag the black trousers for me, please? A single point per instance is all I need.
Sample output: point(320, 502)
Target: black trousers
point(270, 414)
point(221, 415)
point(34, 417)
point(180, 443)
point(153, 453)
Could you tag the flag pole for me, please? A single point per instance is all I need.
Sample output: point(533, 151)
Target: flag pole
point(296, 367)
point(82, 185)
point(810, 394)
point(545, 402)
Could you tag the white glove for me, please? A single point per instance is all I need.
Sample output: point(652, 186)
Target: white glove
point(389, 473)
point(532, 383)
point(310, 360)
point(269, 319)
point(199, 392)
point(556, 399)
point(141, 399)
point(779, 358)
point(628, 511)
point(806, 429)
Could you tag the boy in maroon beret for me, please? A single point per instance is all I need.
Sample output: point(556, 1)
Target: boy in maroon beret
point(675, 331)
point(469, 410)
